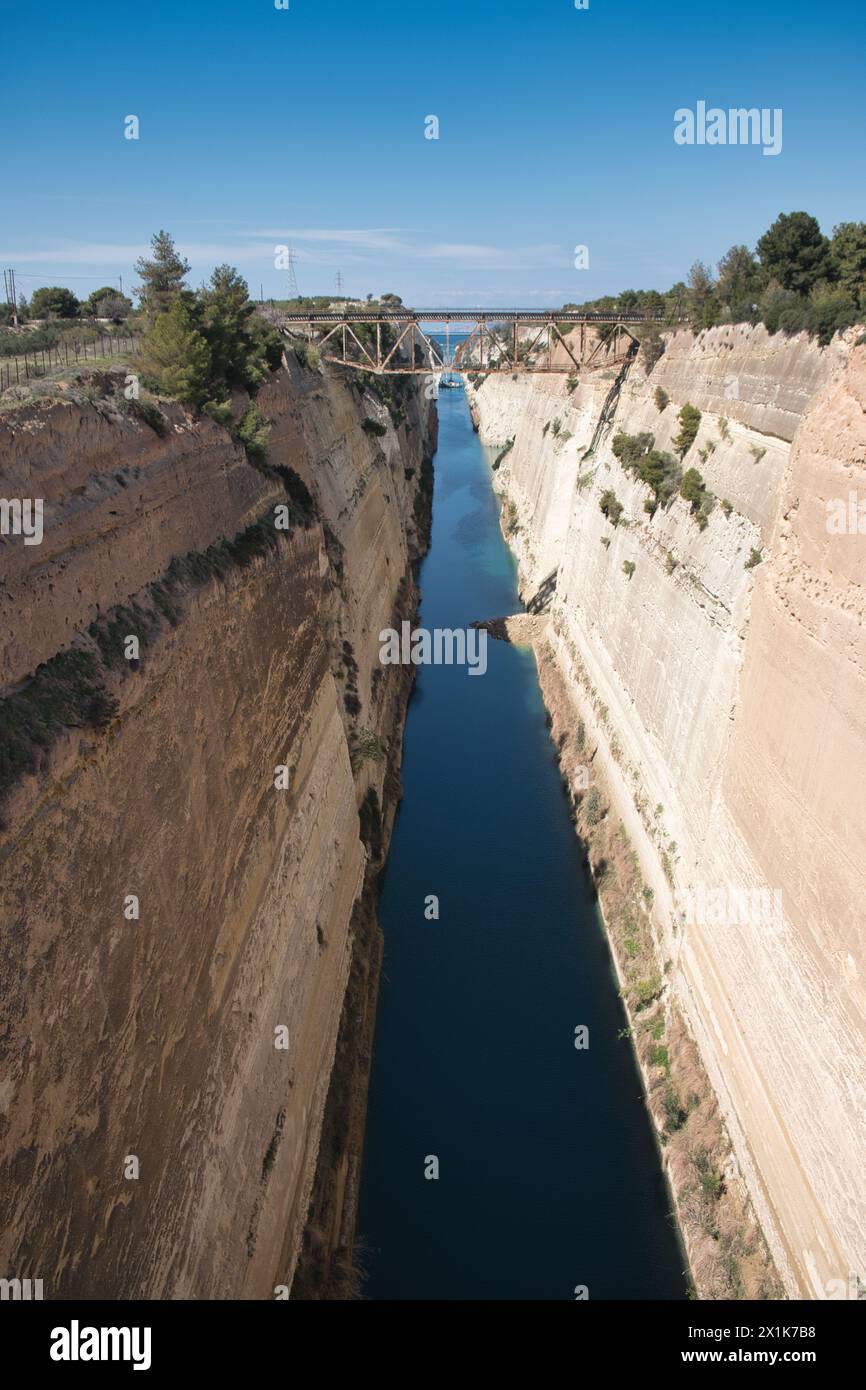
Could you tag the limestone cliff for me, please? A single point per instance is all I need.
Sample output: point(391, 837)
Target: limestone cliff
point(165, 1065)
point(721, 674)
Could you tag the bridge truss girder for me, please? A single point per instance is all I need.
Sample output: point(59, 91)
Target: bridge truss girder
point(489, 346)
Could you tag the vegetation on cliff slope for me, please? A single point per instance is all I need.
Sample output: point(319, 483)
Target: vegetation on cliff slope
point(69, 691)
point(66, 692)
point(728, 1255)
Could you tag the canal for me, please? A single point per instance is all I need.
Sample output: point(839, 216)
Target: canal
point(548, 1172)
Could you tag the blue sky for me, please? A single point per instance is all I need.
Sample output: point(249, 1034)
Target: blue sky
point(262, 127)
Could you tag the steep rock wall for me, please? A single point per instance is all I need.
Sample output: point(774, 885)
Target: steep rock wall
point(155, 1038)
point(732, 702)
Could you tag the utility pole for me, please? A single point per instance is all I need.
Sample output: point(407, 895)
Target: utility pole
point(294, 292)
point(9, 287)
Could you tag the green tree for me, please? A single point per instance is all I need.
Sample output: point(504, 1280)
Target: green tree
point(243, 346)
point(661, 472)
point(701, 297)
point(609, 504)
point(690, 419)
point(651, 345)
point(631, 448)
point(676, 300)
point(176, 356)
point(107, 303)
point(253, 431)
point(693, 489)
point(739, 282)
point(830, 309)
point(795, 252)
point(105, 292)
point(226, 311)
point(782, 310)
point(162, 276)
point(53, 302)
point(848, 249)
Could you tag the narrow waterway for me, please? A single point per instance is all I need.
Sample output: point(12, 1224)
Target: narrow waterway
point(548, 1173)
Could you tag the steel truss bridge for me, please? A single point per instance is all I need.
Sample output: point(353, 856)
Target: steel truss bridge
point(498, 340)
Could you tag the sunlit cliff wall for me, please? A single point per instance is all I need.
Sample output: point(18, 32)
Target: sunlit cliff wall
point(734, 725)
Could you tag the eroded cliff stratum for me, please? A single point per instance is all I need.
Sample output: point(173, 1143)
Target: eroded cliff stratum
point(720, 674)
point(181, 843)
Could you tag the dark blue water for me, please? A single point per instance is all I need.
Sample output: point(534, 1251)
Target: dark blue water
point(549, 1175)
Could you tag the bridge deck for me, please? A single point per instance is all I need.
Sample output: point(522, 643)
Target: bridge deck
point(475, 316)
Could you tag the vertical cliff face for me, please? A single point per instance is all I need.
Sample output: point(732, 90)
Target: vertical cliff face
point(723, 677)
point(181, 846)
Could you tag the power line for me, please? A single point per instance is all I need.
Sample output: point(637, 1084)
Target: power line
point(27, 276)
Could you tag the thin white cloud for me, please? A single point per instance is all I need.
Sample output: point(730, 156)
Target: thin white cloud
point(471, 255)
point(101, 253)
point(315, 246)
point(372, 238)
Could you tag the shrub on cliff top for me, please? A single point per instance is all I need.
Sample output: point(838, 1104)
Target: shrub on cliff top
point(147, 411)
point(829, 311)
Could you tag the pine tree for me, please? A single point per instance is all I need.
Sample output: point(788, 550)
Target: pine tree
point(795, 252)
point(162, 277)
point(692, 488)
point(226, 309)
point(690, 419)
point(848, 249)
point(176, 355)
